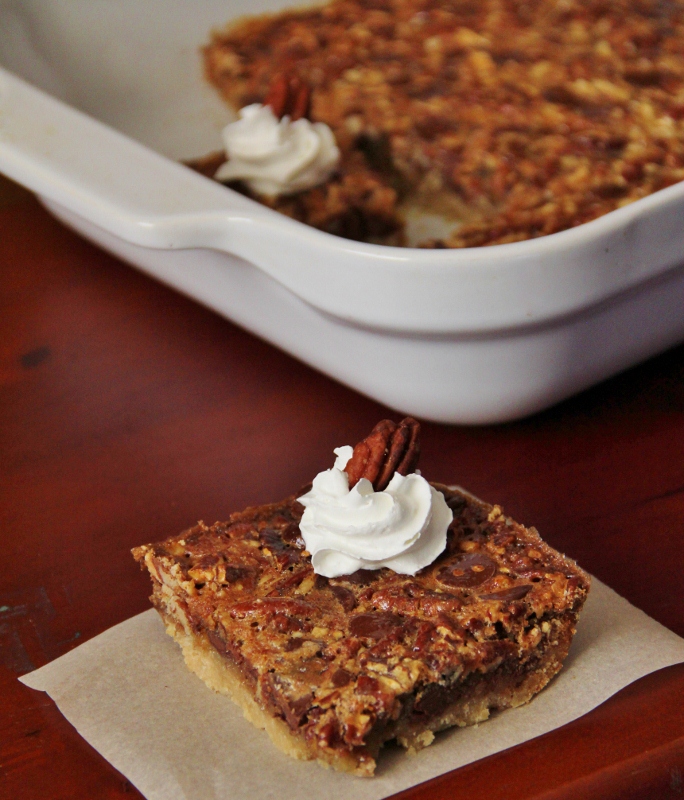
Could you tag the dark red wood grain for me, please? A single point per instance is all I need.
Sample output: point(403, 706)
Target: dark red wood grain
point(128, 412)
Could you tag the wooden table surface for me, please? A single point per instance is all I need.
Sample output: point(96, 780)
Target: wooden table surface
point(128, 412)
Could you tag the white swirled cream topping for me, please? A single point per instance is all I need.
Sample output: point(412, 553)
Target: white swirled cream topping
point(403, 528)
point(275, 157)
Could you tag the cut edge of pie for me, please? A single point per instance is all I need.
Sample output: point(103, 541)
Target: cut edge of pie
point(493, 692)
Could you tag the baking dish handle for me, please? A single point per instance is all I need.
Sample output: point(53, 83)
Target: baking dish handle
point(109, 179)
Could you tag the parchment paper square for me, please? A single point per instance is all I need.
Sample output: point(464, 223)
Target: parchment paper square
point(129, 694)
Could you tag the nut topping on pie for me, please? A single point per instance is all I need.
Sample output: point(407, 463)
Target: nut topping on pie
point(289, 96)
point(389, 448)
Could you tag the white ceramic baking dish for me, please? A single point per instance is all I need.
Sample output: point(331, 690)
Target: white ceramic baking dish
point(468, 336)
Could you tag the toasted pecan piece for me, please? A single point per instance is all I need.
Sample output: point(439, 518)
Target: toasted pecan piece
point(389, 448)
point(288, 95)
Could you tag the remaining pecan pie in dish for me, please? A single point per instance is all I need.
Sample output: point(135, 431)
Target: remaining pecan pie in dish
point(518, 119)
point(452, 609)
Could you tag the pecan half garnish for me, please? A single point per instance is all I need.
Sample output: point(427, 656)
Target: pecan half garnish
point(289, 96)
point(388, 449)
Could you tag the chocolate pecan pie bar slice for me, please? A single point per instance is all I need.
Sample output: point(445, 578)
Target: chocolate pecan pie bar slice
point(333, 668)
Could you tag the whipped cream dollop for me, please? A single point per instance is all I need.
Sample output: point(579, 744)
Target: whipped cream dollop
point(277, 157)
point(403, 528)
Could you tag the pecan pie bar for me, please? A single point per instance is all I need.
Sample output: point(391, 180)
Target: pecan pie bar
point(334, 667)
point(519, 119)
